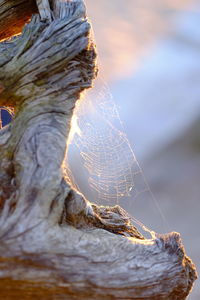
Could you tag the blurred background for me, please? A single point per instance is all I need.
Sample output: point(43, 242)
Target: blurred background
point(146, 98)
point(149, 58)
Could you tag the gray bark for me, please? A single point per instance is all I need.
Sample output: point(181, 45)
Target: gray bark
point(51, 237)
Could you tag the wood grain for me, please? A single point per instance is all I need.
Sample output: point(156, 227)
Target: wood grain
point(50, 235)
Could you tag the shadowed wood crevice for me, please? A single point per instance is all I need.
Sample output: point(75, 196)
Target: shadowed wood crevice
point(51, 234)
point(13, 15)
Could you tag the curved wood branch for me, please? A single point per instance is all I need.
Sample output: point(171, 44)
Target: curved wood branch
point(51, 233)
point(99, 265)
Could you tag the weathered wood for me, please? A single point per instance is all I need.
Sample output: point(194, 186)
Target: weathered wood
point(48, 231)
point(96, 264)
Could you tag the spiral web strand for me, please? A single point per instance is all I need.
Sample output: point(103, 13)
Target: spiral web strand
point(104, 151)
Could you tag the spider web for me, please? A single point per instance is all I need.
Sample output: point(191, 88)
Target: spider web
point(98, 149)
point(100, 163)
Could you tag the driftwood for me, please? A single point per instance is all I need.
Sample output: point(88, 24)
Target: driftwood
point(54, 244)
